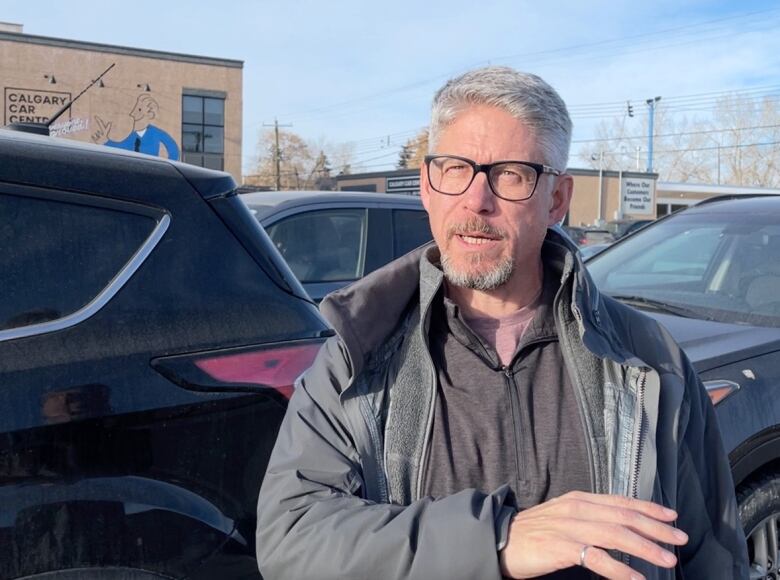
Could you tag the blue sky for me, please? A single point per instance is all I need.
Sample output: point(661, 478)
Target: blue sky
point(363, 72)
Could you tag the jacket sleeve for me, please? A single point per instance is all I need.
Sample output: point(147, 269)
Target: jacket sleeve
point(708, 508)
point(313, 523)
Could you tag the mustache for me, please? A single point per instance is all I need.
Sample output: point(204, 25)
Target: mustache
point(472, 226)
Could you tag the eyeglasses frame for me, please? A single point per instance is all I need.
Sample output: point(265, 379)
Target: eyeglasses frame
point(485, 168)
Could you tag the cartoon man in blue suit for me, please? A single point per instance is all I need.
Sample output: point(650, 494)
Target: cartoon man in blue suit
point(145, 137)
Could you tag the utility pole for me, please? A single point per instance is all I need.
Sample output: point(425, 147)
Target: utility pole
point(718, 162)
point(277, 152)
point(600, 215)
point(651, 103)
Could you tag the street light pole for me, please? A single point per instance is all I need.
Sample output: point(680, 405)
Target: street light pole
point(718, 162)
point(651, 103)
point(600, 157)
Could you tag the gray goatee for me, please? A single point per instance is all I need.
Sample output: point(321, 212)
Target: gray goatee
point(476, 280)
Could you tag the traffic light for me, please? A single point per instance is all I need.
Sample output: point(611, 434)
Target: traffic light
point(630, 109)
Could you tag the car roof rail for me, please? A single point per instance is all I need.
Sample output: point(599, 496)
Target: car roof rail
point(728, 196)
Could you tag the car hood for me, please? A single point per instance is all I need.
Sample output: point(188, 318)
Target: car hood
point(713, 344)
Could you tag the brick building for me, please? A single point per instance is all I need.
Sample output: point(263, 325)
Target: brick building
point(174, 105)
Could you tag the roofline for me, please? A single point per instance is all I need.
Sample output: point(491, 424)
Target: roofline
point(392, 173)
point(375, 174)
point(309, 195)
point(610, 173)
point(114, 49)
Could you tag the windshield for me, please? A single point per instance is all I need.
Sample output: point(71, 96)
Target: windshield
point(714, 266)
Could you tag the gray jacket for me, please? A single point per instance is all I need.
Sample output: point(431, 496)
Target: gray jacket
point(342, 492)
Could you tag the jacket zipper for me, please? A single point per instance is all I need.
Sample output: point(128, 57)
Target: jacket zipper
point(422, 472)
point(518, 426)
point(639, 434)
point(636, 449)
point(373, 432)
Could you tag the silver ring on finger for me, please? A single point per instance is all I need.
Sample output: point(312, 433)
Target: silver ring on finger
point(583, 553)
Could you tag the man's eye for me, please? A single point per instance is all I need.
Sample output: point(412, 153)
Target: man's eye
point(454, 168)
point(512, 175)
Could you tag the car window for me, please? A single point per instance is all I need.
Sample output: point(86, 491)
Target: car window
point(323, 245)
point(58, 256)
point(680, 258)
point(724, 268)
point(411, 230)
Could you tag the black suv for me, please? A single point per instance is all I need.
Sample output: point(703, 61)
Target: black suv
point(150, 334)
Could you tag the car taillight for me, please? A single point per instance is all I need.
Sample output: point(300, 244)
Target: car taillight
point(275, 368)
point(251, 369)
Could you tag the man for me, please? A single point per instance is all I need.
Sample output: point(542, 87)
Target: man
point(144, 136)
point(484, 411)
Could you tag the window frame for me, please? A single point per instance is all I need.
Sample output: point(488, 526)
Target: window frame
point(123, 275)
point(202, 156)
point(309, 212)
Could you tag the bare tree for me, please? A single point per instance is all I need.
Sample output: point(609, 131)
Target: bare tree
point(738, 144)
point(413, 152)
point(299, 167)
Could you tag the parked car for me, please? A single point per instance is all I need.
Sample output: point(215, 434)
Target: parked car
point(587, 235)
point(576, 233)
point(588, 251)
point(711, 275)
point(150, 334)
point(330, 239)
point(623, 227)
point(596, 236)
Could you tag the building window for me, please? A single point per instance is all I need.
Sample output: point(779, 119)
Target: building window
point(203, 131)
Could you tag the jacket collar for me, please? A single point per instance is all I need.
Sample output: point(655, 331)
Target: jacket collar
point(367, 312)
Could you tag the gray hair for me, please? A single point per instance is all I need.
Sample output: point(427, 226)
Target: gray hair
point(525, 96)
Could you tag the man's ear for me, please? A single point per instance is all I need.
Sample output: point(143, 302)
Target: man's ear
point(561, 198)
point(151, 108)
point(425, 187)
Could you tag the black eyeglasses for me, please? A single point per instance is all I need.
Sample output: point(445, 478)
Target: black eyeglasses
point(509, 180)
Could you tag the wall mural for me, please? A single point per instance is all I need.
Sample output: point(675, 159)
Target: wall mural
point(144, 136)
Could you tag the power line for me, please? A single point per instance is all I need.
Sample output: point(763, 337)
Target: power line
point(679, 134)
point(710, 148)
point(649, 35)
point(761, 22)
point(716, 147)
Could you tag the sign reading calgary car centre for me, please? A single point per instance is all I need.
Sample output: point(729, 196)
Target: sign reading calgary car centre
point(638, 196)
point(32, 105)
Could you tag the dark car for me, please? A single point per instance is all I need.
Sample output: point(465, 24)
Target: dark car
point(576, 233)
point(330, 239)
point(150, 335)
point(624, 227)
point(588, 235)
point(711, 275)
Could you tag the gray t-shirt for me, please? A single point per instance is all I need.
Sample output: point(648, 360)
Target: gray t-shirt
point(518, 424)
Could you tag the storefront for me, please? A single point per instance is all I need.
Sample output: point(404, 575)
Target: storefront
point(599, 196)
point(588, 205)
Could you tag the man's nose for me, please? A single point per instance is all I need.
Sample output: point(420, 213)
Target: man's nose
point(478, 197)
